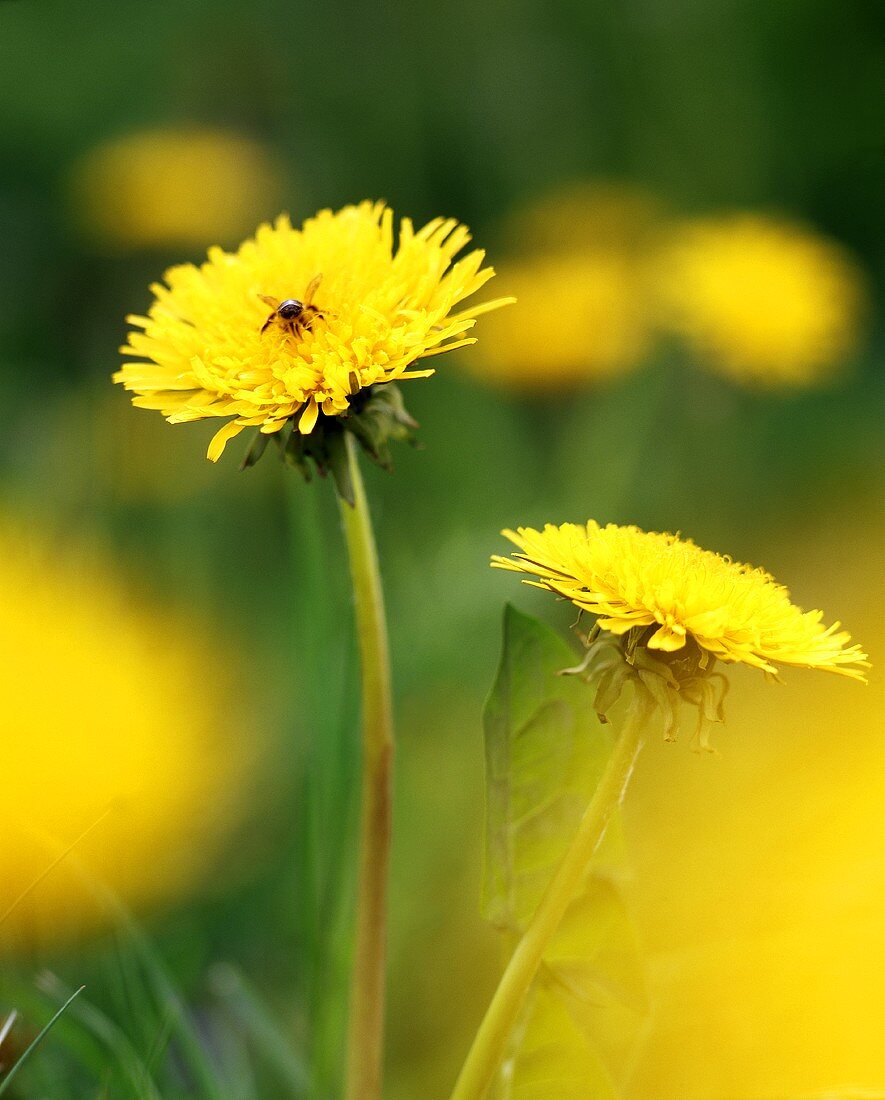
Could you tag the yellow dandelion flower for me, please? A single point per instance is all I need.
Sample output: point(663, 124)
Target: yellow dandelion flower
point(675, 592)
point(582, 319)
point(209, 348)
point(116, 743)
point(174, 188)
point(766, 302)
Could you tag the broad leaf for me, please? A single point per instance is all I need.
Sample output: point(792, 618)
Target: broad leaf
point(545, 753)
point(595, 965)
point(551, 1058)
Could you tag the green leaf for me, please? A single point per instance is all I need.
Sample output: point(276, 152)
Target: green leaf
point(595, 965)
point(32, 1046)
point(550, 1057)
point(545, 753)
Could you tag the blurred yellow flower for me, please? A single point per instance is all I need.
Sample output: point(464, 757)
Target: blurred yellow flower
point(577, 270)
point(114, 726)
point(609, 215)
point(174, 188)
point(630, 578)
point(580, 318)
point(760, 886)
point(767, 302)
point(209, 348)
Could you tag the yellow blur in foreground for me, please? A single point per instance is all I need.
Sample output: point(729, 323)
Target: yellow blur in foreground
point(174, 187)
point(760, 875)
point(112, 743)
point(764, 301)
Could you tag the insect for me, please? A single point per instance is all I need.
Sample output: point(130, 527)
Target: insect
point(293, 314)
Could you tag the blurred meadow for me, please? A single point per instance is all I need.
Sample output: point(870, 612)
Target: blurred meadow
point(686, 200)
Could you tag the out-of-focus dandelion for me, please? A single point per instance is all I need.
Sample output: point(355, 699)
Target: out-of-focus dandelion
point(665, 611)
point(168, 188)
point(577, 270)
point(607, 214)
point(766, 302)
point(209, 349)
point(780, 951)
point(580, 320)
point(115, 743)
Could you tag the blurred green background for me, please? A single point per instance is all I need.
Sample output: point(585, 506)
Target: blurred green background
point(135, 136)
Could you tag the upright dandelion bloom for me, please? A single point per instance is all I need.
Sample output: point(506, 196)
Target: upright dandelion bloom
point(298, 327)
point(765, 302)
point(302, 334)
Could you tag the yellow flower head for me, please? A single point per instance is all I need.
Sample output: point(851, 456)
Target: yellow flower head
point(764, 301)
point(366, 309)
point(678, 592)
point(115, 744)
point(174, 188)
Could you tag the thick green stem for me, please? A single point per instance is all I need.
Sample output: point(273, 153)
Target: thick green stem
point(491, 1040)
point(324, 874)
point(366, 1024)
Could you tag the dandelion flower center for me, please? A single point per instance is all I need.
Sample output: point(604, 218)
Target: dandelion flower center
point(374, 309)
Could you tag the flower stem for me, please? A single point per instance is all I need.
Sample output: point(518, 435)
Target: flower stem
point(366, 1023)
point(491, 1040)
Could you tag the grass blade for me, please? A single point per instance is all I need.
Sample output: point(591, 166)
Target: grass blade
point(111, 1037)
point(252, 1017)
point(32, 1046)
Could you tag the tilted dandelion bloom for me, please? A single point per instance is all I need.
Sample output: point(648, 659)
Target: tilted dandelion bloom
point(174, 187)
point(380, 307)
point(666, 613)
point(764, 301)
point(673, 593)
point(116, 742)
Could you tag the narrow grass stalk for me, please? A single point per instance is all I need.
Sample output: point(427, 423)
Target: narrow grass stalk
point(490, 1041)
point(32, 1046)
point(367, 992)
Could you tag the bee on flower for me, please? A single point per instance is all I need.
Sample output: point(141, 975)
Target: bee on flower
point(208, 350)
